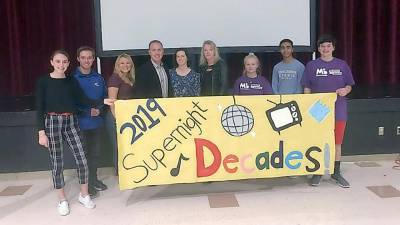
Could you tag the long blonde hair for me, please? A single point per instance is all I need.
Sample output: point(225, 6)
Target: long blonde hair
point(251, 56)
point(130, 77)
point(203, 60)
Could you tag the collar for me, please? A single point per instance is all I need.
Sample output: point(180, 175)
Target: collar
point(80, 74)
point(155, 64)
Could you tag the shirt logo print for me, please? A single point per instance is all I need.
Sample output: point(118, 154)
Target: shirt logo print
point(321, 72)
point(244, 86)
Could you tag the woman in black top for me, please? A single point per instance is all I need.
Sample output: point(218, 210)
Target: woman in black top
point(213, 71)
point(57, 97)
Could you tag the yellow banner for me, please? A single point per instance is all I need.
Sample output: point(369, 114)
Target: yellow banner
point(197, 139)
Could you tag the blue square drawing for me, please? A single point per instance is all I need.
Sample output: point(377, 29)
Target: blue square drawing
point(319, 111)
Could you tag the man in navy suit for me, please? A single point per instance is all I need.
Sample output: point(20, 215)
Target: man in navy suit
point(152, 77)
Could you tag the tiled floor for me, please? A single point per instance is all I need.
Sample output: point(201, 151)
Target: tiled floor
point(15, 190)
point(374, 198)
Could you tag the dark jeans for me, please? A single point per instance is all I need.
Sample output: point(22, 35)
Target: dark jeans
point(112, 133)
point(92, 139)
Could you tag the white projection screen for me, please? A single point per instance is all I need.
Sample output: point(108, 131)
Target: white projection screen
point(234, 25)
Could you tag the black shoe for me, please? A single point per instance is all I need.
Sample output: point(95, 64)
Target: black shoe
point(99, 186)
point(315, 180)
point(340, 180)
point(93, 192)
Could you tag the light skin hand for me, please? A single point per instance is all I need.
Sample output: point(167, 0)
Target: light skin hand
point(94, 112)
point(343, 91)
point(43, 140)
point(109, 101)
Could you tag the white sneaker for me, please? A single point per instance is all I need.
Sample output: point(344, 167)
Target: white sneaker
point(63, 208)
point(86, 201)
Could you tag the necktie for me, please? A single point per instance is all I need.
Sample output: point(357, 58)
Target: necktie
point(163, 81)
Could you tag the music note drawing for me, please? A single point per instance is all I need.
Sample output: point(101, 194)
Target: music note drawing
point(175, 171)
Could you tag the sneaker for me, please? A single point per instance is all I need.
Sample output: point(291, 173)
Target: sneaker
point(63, 208)
point(93, 192)
point(340, 180)
point(86, 201)
point(99, 186)
point(315, 180)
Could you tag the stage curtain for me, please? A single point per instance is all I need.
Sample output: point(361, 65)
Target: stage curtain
point(368, 35)
point(31, 30)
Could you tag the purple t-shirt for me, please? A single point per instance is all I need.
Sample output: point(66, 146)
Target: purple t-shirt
point(245, 85)
point(322, 77)
point(125, 91)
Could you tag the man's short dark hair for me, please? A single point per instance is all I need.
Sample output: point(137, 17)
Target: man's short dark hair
point(286, 40)
point(326, 38)
point(155, 41)
point(85, 48)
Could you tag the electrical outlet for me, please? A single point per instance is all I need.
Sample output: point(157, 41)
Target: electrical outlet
point(381, 131)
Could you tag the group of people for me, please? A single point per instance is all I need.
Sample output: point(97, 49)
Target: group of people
point(72, 107)
point(69, 108)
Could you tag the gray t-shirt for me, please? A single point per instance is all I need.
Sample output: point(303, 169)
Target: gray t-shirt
point(286, 77)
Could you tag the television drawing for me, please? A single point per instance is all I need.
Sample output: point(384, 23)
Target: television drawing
point(284, 115)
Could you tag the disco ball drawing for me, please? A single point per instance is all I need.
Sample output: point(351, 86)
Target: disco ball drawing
point(237, 120)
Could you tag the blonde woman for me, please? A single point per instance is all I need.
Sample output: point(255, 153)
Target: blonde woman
point(213, 71)
point(120, 86)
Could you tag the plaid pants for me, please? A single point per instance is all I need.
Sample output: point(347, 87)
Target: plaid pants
point(58, 128)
